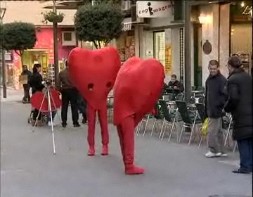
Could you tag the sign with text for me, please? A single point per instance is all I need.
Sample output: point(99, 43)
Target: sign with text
point(153, 9)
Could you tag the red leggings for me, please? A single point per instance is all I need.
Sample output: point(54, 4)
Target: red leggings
point(126, 137)
point(102, 115)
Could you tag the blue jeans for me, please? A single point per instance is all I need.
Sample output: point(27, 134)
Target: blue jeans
point(245, 150)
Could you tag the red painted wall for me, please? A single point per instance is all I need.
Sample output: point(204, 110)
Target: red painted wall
point(45, 41)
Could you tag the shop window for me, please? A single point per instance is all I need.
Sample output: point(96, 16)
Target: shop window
point(126, 46)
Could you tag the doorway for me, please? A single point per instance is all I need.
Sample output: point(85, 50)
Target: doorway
point(197, 47)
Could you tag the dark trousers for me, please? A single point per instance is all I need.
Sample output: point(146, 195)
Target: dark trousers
point(36, 114)
point(69, 96)
point(245, 151)
point(26, 97)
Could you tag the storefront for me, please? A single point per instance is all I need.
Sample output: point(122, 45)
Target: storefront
point(219, 31)
point(241, 32)
point(160, 37)
point(126, 42)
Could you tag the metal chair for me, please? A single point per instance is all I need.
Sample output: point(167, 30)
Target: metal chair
point(189, 119)
point(158, 116)
point(145, 120)
point(168, 120)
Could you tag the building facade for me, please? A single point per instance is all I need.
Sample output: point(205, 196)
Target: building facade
point(43, 51)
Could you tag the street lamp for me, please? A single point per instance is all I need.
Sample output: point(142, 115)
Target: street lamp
point(2, 13)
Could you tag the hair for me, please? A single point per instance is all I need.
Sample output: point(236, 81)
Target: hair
point(214, 62)
point(173, 76)
point(235, 62)
point(35, 67)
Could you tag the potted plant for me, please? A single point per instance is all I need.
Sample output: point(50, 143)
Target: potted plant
point(53, 17)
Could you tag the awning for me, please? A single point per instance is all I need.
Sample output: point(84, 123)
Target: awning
point(127, 24)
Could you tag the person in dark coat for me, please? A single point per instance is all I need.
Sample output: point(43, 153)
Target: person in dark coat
point(175, 86)
point(69, 95)
point(36, 84)
point(215, 98)
point(24, 79)
point(239, 104)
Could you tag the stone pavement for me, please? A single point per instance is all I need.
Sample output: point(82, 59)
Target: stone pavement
point(29, 169)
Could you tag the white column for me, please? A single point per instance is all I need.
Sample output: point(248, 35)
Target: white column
point(210, 32)
point(224, 37)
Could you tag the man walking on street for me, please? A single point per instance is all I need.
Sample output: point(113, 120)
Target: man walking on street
point(69, 95)
point(214, 103)
point(24, 79)
point(239, 104)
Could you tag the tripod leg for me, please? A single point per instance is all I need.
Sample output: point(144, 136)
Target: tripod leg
point(56, 114)
point(51, 119)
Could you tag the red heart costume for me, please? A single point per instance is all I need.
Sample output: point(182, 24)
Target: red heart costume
point(137, 88)
point(93, 72)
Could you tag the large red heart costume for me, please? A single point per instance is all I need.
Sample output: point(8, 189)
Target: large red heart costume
point(137, 88)
point(93, 73)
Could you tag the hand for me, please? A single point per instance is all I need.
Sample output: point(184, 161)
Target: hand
point(175, 87)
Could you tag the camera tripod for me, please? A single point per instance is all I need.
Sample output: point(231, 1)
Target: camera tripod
point(47, 105)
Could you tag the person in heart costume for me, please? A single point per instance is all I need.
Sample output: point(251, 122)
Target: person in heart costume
point(93, 73)
point(137, 88)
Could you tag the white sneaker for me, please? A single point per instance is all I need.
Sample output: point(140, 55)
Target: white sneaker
point(221, 155)
point(210, 154)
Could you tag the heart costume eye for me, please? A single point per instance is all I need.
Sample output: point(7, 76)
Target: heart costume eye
point(90, 86)
point(109, 84)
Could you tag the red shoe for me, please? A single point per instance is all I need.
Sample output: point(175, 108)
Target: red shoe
point(133, 170)
point(91, 151)
point(104, 150)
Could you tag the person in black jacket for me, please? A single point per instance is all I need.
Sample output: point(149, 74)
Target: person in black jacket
point(36, 84)
point(69, 95)
point(25, 78)
point(239, 104)
point(215, 98)
point(174, 86)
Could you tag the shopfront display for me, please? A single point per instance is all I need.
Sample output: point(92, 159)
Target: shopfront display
point(126, 45)
point(159, 46)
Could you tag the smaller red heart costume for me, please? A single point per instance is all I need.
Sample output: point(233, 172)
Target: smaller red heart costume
point(40, 101)
point(93, 73)
point(137, 88)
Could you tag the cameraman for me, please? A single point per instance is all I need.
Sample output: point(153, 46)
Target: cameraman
point(69, 95)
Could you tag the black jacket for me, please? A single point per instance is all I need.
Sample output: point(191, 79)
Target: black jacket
point(171, 89)
point(36, 82)
point(28, 73)
point(239, 103)
point(215, 96)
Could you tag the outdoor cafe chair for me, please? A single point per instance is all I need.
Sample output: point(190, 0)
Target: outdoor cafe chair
point(168, 120)
point(189, 119)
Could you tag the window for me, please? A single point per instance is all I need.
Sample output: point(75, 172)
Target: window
point(159, 46)
point(67, 36)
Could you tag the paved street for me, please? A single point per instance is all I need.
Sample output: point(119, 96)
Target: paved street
point(29, 169)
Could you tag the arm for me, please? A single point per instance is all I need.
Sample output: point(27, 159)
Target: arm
point(233, 97)
point(59, 82)
point(205, 101)
point(180, 87)
point(223, 92)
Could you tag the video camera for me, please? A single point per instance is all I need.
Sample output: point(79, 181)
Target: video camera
point(47, 82)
